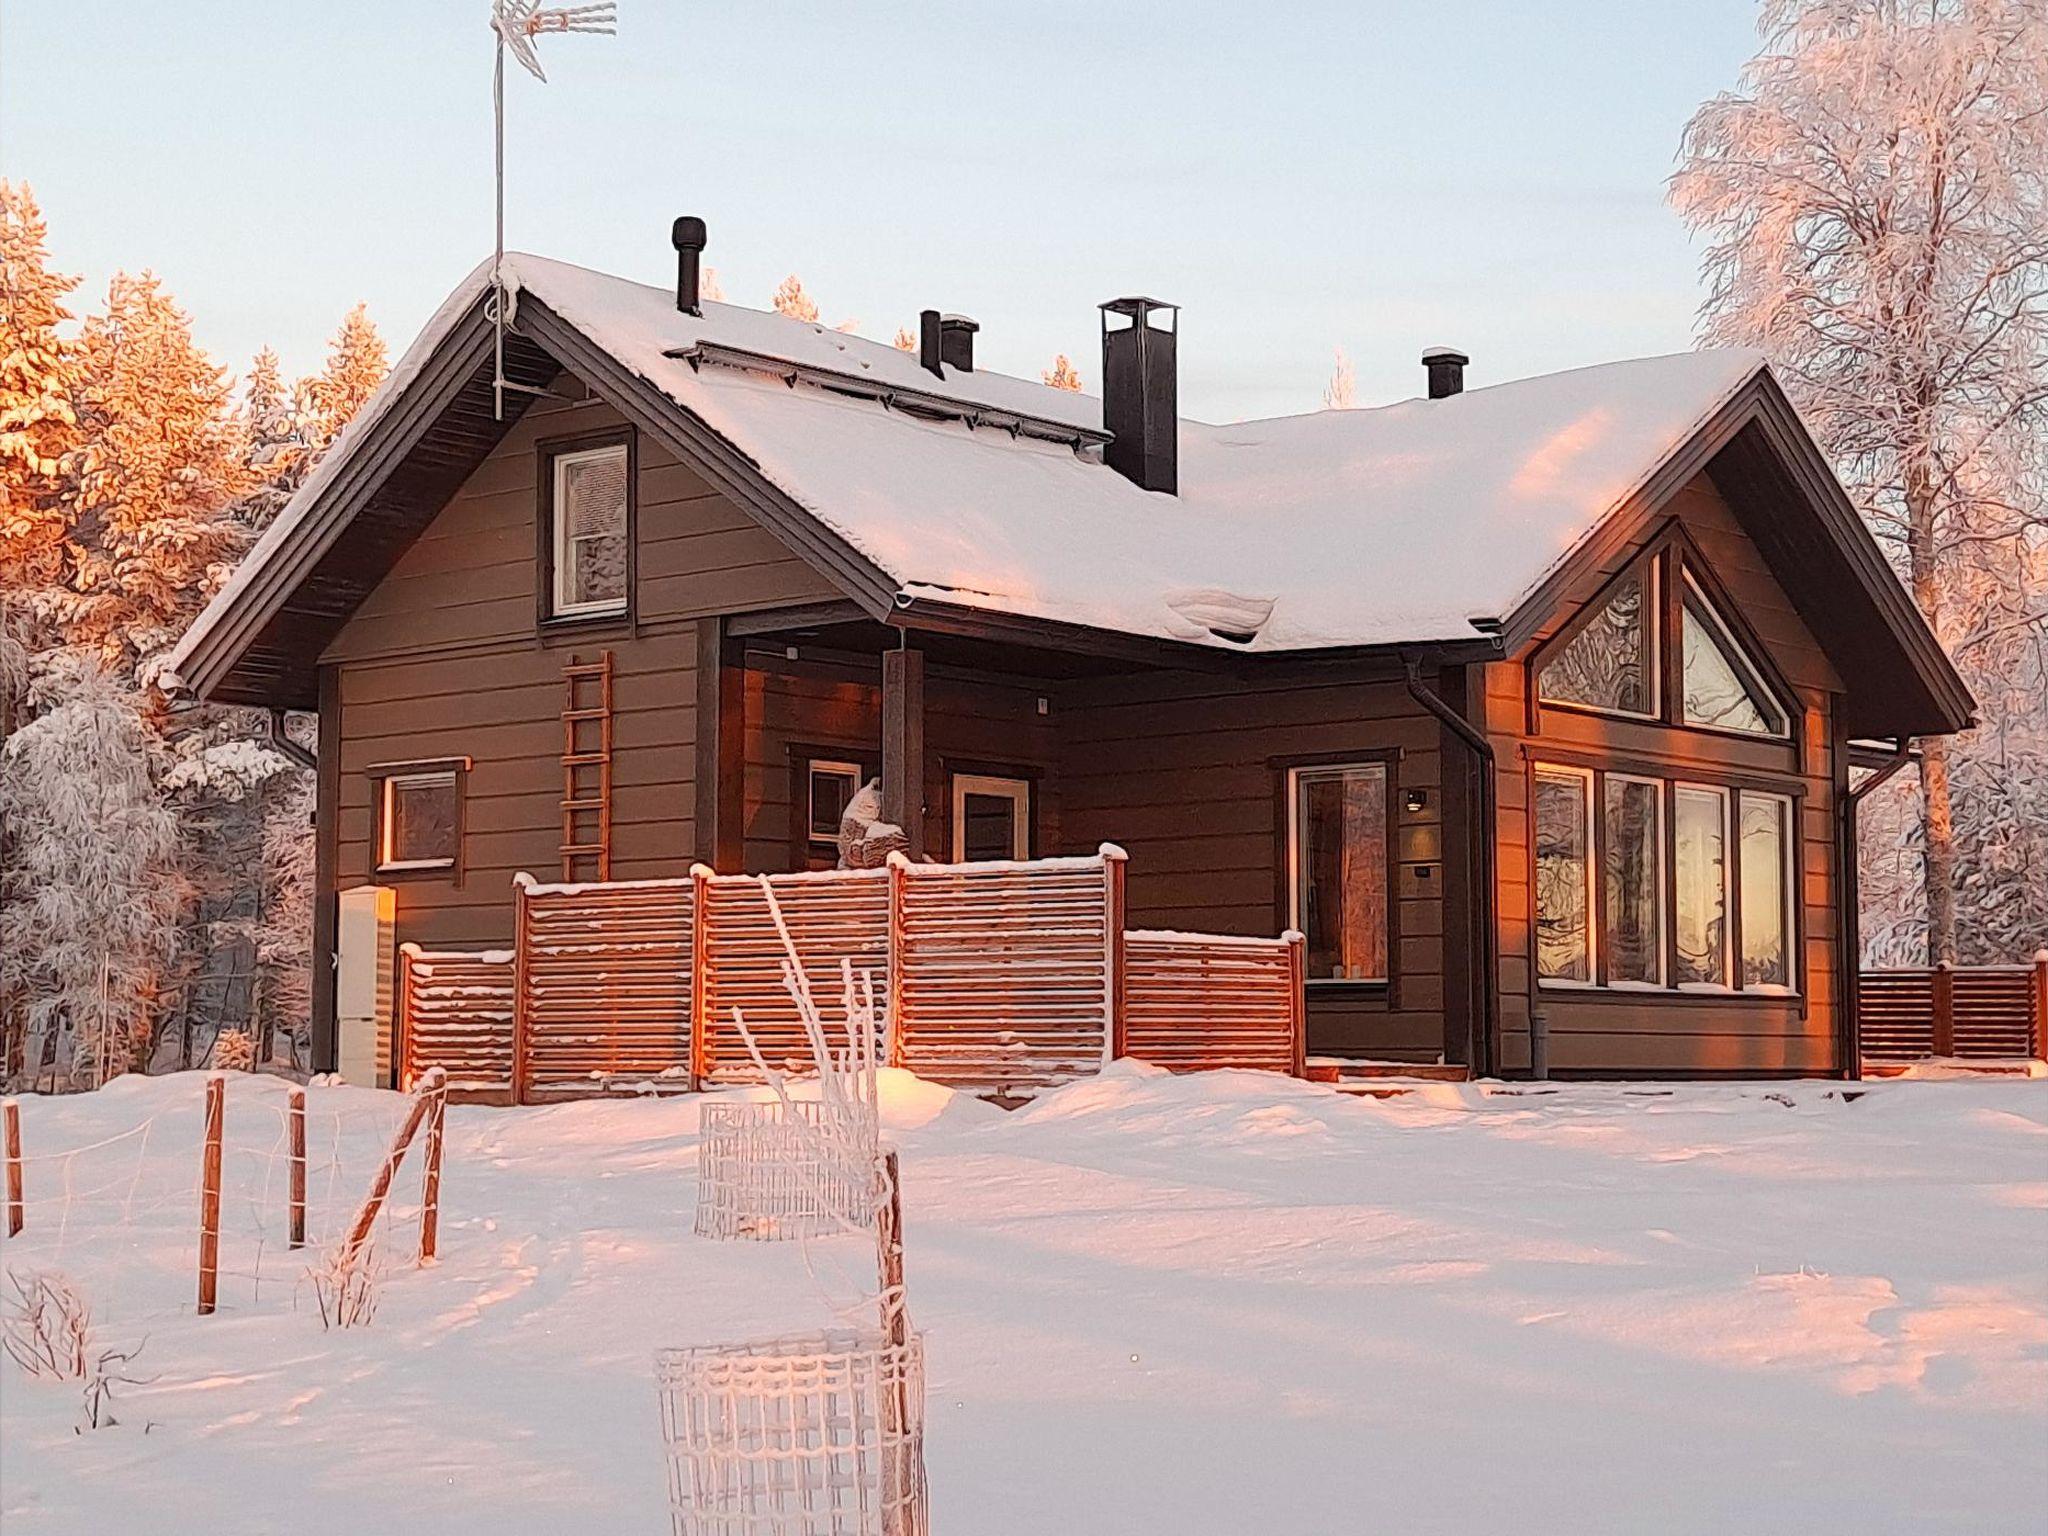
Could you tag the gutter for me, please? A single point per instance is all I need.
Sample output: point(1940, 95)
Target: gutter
point(1849, 957)
point(286, 747)
point(1486, 1028)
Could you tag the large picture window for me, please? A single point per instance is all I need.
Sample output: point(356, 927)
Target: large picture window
point(1337, 841)
point(589, 534)
point(1695, 885)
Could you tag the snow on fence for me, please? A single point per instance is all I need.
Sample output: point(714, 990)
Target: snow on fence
point(1197, 1002)
point(602, 996)
point(1980, 1013)
point(455, 1013)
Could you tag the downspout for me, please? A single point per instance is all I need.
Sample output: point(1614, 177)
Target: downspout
point(1486, 1028)
point(1849, 959)
point(283, 743)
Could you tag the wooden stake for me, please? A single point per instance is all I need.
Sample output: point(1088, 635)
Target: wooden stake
point(11, 1112)
point(899, 1518)
point(295, 1121)
point(374, 1201)
point(430, 1201)
point(209, 1194)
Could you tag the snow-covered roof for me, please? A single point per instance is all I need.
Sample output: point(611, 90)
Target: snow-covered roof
point(1401, 524)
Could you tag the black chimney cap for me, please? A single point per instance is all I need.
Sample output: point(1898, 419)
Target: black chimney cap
point(689, 233)
point(1446, 367)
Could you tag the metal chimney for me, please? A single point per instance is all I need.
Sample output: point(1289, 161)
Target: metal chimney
point(689, 238)
point(1140, 406)
point(1446, 367)
point(930, 342)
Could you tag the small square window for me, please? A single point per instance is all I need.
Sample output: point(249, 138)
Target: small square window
point(832, 788)
point(590, 496)
point(419, 820)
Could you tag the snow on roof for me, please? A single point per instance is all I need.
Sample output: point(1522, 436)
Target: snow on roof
point(1399, 524)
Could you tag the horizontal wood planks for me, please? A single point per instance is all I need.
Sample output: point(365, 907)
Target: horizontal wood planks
point(1994, 1012)
point(1197, 1002)
point(455, 1012)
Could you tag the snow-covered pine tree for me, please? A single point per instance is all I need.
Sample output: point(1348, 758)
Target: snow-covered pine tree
point(90, 884)
point(791, 300)
point(1873, 201)
point(1063, 374)
point(39, 436)
point(904, 341)
point(274, 434)
point(1341, 393)
point(357, 361)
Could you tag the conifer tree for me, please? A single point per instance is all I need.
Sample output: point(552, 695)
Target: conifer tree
point(1062, 374)
point(274, 432)
point(39, 434)
point(791, 300)
point(357, 361)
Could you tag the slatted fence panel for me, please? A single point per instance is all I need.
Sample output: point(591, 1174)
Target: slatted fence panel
point(833, 915)
point(1982, 1013)
point(455, 1012)
point(1994, 1011)
point(1196, 1002)
point(604, 985)
point(1007, 976)
point(1895, 1012)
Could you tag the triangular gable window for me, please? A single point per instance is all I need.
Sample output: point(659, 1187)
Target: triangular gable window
point(1611, 663)
point(1722, 688)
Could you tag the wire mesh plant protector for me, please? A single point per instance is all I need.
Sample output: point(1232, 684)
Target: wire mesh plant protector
point(779, 1168)
point(814, 1435)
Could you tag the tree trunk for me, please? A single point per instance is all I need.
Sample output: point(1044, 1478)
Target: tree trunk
point(1938, 862)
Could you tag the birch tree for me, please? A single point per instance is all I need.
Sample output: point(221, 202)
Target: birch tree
point(1872, 199)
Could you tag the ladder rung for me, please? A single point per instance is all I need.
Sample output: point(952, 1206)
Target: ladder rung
point(586, 671)
point(584, 714)
point(571, 850)
point(582, 805)
point(584, 759)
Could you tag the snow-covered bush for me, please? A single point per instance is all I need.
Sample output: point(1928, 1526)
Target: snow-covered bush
point(46, 1326)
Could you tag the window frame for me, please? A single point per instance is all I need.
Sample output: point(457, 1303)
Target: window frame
point(1648, 568)
point(1733, 787)
point(804, 850)
point(1288, 775)
point(1017, 788)
point(552, 454)
point(1602, 971)
point(1590, 792)
point(384, 779)
point(1721, 632)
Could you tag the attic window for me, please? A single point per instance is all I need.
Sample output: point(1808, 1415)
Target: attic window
point(590, 541)
point(1611, 663)
point(1722, 689)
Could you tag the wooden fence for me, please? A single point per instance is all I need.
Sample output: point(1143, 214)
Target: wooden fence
point(998, 977)
point(1986, 1012)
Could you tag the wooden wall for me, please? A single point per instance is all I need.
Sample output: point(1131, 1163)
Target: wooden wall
point(446, 658)
point(1634, 1032)
point(1182, 771)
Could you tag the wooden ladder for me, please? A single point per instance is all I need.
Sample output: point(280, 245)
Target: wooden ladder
point(587, 769)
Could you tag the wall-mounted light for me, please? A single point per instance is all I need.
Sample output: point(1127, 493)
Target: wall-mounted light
point(1416, 800)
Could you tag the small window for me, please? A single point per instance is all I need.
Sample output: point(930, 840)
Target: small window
point(1611, 663)
point(1564, 876)
point(1337, 836)
point(419, 820)
point(1700, 834)
point(1722, 688)
point(991, 817)
point(1767, 894)
point(832, 787)
point(591, 490)
point(1632, 858)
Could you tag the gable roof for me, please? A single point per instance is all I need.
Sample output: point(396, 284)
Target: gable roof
point(1424, 522)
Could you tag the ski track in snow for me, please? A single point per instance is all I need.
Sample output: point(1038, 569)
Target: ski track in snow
point(1195, 1305)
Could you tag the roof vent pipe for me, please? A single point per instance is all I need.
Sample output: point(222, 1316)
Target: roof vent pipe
point(1140, 393)
point(1446, 367)
point(689, 238)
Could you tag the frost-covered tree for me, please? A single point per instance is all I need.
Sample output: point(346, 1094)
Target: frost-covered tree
point(39, 434)
point(275, 442)
point(90, 880)
point(791, 300)
point(904, 341)
point(1063, 374)
point(163, 462)
point(1341, 393)
point(357, 361)
point(1873, 204)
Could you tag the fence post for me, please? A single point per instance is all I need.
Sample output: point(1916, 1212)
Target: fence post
point(896, 1331)
point(1116, 1032)
point(522, 942)
point(11, 1112)
point(401, 1045)
point(1944, 994)
point(430, 1197)
point(899, 951)
point(209, 1195)
point(700, 975)
point(295, 1121)
point(366, 1217)
point(2039, 1035)
point(1297, 997)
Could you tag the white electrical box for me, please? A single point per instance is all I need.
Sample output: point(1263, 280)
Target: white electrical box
point(365, 973)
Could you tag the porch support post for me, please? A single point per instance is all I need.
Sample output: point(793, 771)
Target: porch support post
point(903, 743)
point(721, 809)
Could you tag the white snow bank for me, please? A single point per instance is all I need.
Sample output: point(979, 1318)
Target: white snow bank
point(1199, 1305)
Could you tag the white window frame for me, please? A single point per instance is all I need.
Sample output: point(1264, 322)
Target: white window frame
point(1788, 876)
point(387, 810)
point(563, 607)
point(1297, 918)
point(1652, 619)
point(995, 787)
point(1748, 672)
point(851, 773)
point(1731, 937)
point(1596, 915)
point(1664, 917)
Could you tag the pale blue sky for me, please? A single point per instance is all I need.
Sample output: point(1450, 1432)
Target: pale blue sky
point(1299, 176)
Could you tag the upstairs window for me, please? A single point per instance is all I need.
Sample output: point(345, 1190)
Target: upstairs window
point(1611, 663)
point(589, 512)
point(1722, 689)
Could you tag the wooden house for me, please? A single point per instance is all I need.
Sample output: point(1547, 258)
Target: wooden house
point(1531, 704)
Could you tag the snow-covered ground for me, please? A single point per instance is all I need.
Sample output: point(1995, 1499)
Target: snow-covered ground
point(1195, 1305)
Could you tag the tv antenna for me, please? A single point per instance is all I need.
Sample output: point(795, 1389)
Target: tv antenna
point(517, 23)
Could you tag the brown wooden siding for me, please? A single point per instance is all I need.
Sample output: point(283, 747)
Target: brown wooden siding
point(1180, 770)
point(1667, 1031)
point(444, 659)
